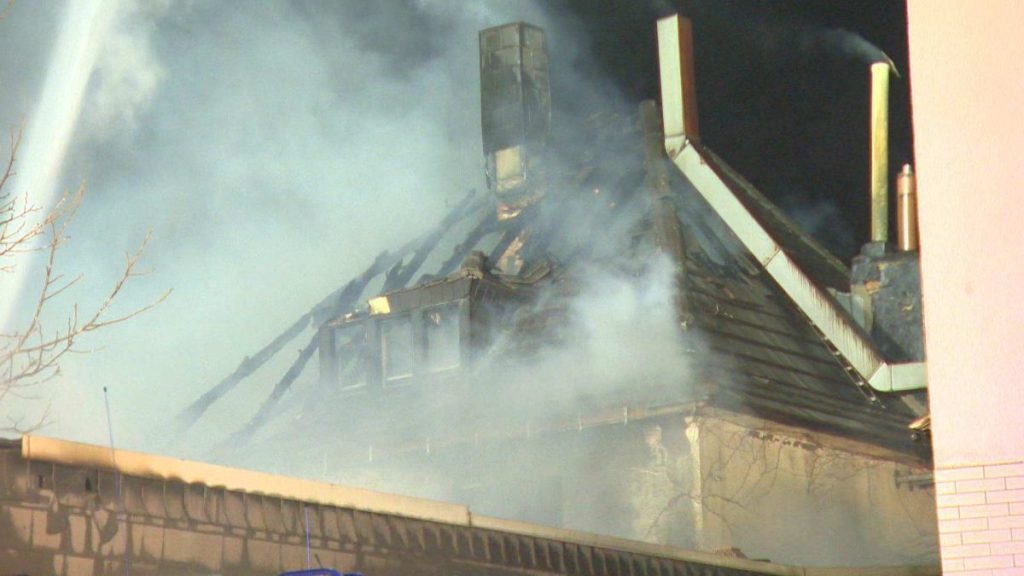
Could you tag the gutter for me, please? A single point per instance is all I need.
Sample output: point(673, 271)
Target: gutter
point(679, 102)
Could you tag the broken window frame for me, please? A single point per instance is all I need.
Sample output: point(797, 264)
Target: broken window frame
point(403, 376)
point(333, 361)
point(356, 362)
point(452, 311)
point(466, 301)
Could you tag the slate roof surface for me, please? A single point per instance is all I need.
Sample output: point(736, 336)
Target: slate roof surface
point(762, 354)
point(775, 363)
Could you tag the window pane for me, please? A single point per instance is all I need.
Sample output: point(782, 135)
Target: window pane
point(397, 348)
point(350, 351)
point(441, 330)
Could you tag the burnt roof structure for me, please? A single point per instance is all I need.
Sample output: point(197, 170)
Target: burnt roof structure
point(503, 268)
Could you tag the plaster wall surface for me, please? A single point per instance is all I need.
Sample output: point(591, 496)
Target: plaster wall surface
point(709, 481)
point(797, 497)
point(968, 102)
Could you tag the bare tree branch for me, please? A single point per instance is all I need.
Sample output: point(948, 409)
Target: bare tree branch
point(30, 354)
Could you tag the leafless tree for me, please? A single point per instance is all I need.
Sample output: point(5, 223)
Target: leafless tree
point(31, 352)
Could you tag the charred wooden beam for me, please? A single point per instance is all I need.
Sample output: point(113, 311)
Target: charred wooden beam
point(330, 307)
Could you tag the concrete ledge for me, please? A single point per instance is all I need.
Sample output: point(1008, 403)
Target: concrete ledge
point(189, 472)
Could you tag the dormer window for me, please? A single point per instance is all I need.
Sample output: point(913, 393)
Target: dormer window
point(427, 332)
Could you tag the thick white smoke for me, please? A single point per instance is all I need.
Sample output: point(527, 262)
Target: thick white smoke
point(127, 72)
point(621, 340)
point(272, 152)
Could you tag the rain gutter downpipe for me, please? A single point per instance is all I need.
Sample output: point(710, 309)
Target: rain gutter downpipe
point(679, 114)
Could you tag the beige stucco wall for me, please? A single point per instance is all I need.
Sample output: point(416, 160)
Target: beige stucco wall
point(694, 479)
point(968, 101)
point(712, 480)
point(791, 496)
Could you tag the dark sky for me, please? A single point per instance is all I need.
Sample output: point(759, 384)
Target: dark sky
point(777, 100)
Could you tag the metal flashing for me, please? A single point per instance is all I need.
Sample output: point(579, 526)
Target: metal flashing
point(678, 94)
point(899, 377)
point(835, 325)
point(826, 314)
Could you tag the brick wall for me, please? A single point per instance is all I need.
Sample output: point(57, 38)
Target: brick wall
point(981, 519)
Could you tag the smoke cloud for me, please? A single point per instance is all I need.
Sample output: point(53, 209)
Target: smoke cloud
point(127, 73)
point(272, 152)
point(821, 218)
point(843, 42)
point(779, 34)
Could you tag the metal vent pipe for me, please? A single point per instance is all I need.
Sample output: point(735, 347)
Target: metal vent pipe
point(880, 151)
point(906, 209)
